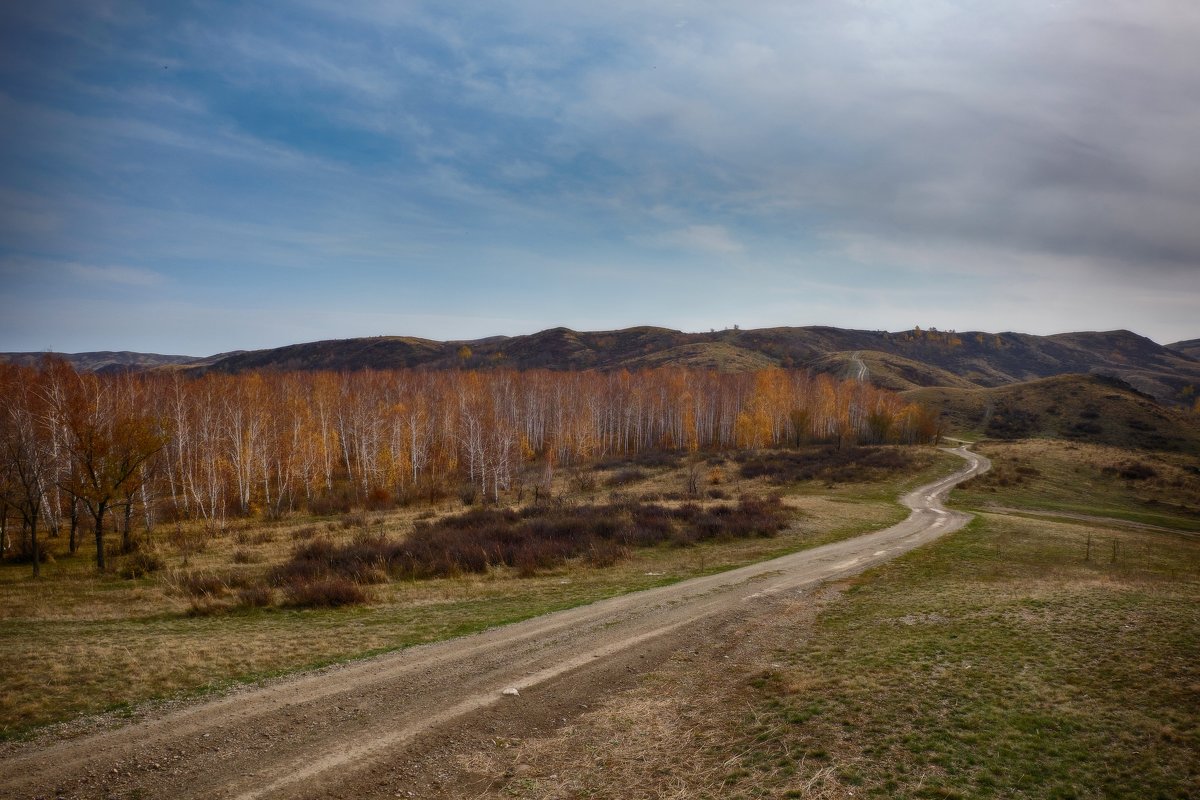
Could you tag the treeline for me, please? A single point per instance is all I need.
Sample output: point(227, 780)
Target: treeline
point(81, 446)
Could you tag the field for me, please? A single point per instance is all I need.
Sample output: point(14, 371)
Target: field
point(77, 643)
point(1020, 657)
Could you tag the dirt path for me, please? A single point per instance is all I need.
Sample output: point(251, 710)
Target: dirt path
point(349, 732)
point(858, 367)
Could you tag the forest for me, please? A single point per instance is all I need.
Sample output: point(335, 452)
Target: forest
point(82, 453)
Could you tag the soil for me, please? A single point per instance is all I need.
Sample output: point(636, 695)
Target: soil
point(400, 725)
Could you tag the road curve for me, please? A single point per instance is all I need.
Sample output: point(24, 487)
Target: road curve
point(305, 737)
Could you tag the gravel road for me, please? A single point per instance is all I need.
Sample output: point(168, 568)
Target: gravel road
point(352, 731)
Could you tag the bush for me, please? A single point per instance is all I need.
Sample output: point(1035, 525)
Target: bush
point(256, 596)
point(305, 533)
point(1137, 471)
point(201, 584)
point(626, 476)
point(330, 505)
point(826, 463)
point(140, 564)
point(328, 592)
point(243, 556)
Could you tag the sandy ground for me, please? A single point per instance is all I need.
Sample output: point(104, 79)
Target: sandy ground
point(399, 725)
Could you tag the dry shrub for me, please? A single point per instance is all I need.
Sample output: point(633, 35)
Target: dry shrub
point(380, 499)
point(330, 505)
point(847, 465)
point(246, 537)
point(255, 596)
point(324, 592)
point(358, 520)
point(304, 534)
point(243, 556)
point(626, 476)
point(140, 564)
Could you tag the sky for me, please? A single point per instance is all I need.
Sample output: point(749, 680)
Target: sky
point(198, 177)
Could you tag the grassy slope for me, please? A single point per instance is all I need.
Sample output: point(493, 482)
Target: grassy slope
point(1076, 407)
point(75, 643)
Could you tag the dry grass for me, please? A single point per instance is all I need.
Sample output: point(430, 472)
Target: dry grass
point(995, 663)
point(75, 642)
point(1153, 488)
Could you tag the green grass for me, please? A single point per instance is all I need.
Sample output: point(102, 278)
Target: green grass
point(1000, 663)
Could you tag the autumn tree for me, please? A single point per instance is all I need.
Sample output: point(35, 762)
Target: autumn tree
point(110, 439)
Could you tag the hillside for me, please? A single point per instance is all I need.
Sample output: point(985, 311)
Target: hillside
point(1190, 348)
point(900, 360)
point(106, 360)
point(1075, 407)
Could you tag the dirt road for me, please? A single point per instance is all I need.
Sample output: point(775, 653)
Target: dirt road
point(858, 367)
point(351, 731)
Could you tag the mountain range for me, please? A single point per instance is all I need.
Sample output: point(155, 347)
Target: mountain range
point(898, 360)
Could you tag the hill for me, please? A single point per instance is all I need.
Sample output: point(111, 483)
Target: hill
point(897, 360)
point(107, 360)
point(1090, 408)
point(1190, 348)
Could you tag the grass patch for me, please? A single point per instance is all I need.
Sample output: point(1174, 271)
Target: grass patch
point(1000, 663)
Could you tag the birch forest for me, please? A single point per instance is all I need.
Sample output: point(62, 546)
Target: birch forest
point(83, 453)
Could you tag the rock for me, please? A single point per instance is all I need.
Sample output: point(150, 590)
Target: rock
point(511, 692)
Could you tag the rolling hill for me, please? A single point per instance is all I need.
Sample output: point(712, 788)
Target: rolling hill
point(897, 360)
point(1091, 408)
point(900, 360)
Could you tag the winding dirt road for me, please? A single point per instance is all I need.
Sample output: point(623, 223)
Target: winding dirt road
point(355, 730)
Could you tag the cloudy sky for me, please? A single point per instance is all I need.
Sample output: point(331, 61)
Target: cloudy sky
point(199, 177)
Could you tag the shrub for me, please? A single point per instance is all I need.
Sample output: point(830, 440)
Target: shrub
point(379, 499)
point(255, 596)
point(1137, 471)
point(627, 476)
point(330, 505)
point(826, 463)
point(326, 592)
point(243, 556)
point(140, 564)
point(358, 520)
point(305, 533)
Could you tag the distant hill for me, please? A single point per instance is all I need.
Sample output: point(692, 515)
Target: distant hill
point(1089, 408)
point(106, 360)
point(897, 360)
point(1190, 348)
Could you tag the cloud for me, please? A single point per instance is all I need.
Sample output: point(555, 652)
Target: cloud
point(713, 239)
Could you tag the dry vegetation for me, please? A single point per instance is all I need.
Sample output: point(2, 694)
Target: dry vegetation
point(191, 611)
point(1161, 489)
point(1018, 658)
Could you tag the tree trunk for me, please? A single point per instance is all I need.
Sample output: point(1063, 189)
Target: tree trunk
point(33, 540)
point(126, 533)
point(98, 518)
point(73, 543)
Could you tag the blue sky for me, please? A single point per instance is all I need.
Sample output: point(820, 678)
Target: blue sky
point(200, 177)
